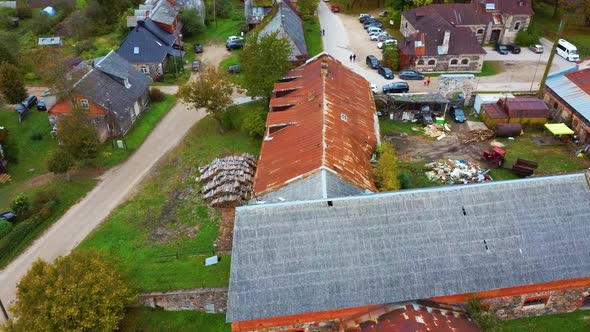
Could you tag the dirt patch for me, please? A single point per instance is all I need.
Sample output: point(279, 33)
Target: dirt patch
point(226, 230)
point(213, 54)
point(40, 180)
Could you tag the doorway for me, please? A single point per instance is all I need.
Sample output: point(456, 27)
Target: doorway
point(495, 36)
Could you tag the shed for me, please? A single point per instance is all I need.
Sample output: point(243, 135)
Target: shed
point(490, 98)
point(50, 41)
point(404, 106)
point(49, 11)
point(492, 115)
point(526, 110)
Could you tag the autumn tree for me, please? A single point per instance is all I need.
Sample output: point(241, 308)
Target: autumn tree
point(60, 162)
point(211, 90)
point(84, 291)
point(54, 71)
point(386, 170)
point(307, 7)
point(264, 61)
point(78, 135)
point(12, 84)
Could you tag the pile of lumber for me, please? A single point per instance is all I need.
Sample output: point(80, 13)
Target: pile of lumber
point(228, 181)
point(479, 135)
point(436, 130)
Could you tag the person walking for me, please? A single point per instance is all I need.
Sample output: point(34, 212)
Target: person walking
point(425, 82)
point(350, 58)
point(354, 58)
point(323, 32)
point(428, 80)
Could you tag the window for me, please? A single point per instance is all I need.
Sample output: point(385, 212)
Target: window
point(84, 103)
point(431, 62)
point(420, 62)
point(516, 25)
point(555, 104)
point(143, 69)
point(454, 62)
point(344, 117)
point(406, 25)
point(535, 301)
point(465, 61)
point(479, 31)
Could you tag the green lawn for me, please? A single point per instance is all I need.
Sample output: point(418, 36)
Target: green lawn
point(68, 193)
point(313, 39)
point(137, 134)
point(153, 320)
point(135, 231)
point(389, 127)
point(31, 155)
point(237, 79)
point(578, 321)
point(411, 175)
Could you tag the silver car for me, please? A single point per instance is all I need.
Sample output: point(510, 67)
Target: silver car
point(537, 48)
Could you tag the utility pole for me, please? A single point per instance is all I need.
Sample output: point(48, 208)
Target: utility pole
point(214, 14)
point(552, 54)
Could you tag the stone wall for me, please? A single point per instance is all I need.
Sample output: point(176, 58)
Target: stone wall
point(449, 63)
point(511, 29)
point(448, 84)
point(511, 307)
point(212, 300)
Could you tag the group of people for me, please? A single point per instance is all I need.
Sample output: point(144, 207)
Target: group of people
point(352, 58)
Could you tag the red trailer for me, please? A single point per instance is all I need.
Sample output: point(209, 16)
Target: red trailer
point(495, 156)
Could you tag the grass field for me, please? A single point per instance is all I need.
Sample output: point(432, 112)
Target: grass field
point(313, 39)
point(578, 321)
point(153, 320)
point(389, 127)
point(237, 79)
point(167, 217)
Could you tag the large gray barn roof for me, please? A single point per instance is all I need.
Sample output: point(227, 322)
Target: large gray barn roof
point(298, 257)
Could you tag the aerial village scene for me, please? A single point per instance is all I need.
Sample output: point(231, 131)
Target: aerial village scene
point(295, 165)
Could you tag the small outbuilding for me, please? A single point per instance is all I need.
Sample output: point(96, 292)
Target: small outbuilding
point(405, 106)
point(523, 110)
point(50, 41)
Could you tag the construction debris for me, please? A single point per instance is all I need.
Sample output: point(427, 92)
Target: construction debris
point(479, 135)
point(228, 181)
point(435, 130)
point(451, 171)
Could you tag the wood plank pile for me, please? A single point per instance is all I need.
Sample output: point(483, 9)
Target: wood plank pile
point(228, 181)
point(5, 177)
point(479, 135)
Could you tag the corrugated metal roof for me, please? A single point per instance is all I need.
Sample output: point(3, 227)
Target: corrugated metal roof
point(523, 107)
point(494, 111)
point(333, 127)
point(566, 87)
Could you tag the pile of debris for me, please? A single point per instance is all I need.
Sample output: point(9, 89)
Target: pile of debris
point(455, 172)
point(228, 181)
point(436, 130)
point(479, 135)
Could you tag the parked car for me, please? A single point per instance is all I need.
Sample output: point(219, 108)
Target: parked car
point(364, 19)
point(396, 87)
point(41, 107)
point(26, 104)
point(196, 65)
point(335, 9)
point(537, 48)
point(374, 35)
point(233, 39)
point(385, 36)
point(386, 42)
point(458, 115)
point(369, 22)
point(8, 216)
point(502, 49)
point(386, 73)
point(374, 88)
point(198, 48)
point(513, 48)
point(233, 46)
point(363, 16)
point(410, 75)
point(372, 62)
point(234, 69)
point(375, 24)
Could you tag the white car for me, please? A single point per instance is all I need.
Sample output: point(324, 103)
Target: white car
point(374, 88)
point(387, 42)
point(233, 39)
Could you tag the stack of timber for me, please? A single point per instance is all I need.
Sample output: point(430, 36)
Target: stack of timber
point(479, 135)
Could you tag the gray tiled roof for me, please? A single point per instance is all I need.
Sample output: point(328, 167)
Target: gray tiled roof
point(288, 24)
point(164, 12)
point(115, 85)
point(152, 43)
point(297, 257)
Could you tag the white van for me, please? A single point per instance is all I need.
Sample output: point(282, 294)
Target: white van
point(566, 50)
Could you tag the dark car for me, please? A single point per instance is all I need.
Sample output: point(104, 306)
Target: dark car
point(364, 19)
point(459, 115)
point(372, 62)
point(196, 65)
point(502, 49)
point(375, 24)
point(426, 115)
point(234, 69)
point(396, 87)
point(41, 107)
point(513, 48)
point(29, 102)
point(8, 216)
point(198, 48)
point(410, 75)
point(233, 46)
point(369, 22)
point(386, 73)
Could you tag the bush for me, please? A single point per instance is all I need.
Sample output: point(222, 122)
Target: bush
point(36, 136)
point(255, 123)
point(5, 228)
point(391, 57)
point(30, 76)
point(386, 170)
point(43, 197)
point(23, 10)
point(168, 77)
point(12, 240)
point(191, 22)
point(527, 37)
point(42, 24)
point(156, 95)
point(21, 205)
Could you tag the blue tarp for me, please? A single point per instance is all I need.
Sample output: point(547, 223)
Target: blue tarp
point(49, 11)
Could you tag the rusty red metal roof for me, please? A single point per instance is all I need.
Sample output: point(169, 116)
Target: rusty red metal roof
point(494, 111)
point(581, 78)
point(526, 107)
point(332, 126)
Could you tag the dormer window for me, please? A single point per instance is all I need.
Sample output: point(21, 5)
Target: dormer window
point(84, 103)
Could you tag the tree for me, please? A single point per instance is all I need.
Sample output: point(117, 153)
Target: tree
point(486, 320)
point(85, 291)
point(23, 9)
point(212, 91)
point(60, 162)
point(391, 57)
point(419, 3)
point(12, 84)
point(191, 22)
point(54, 71)
point(307, 7)
point(21, 205)
point(264, 61)
point(255, 123)
point(42, 24)
point(6, 56)
point(78, 135)
point(386, 169)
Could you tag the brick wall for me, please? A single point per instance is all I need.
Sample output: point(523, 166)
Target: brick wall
point(449, 63)
point(565, 300)
point(199, 299)
point(561, 112)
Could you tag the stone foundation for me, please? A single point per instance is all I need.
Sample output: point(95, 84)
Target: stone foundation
point(212, 300)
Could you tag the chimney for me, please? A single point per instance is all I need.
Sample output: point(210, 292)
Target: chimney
point(445, 45)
